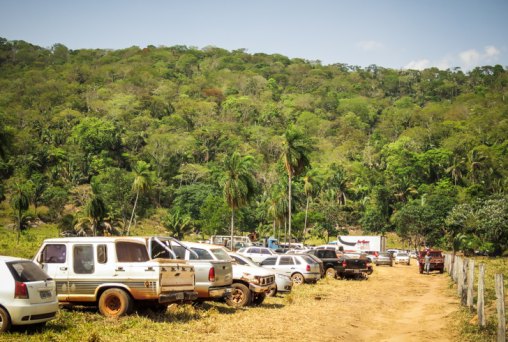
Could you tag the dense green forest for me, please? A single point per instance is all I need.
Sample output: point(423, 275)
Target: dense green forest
point(98, 141)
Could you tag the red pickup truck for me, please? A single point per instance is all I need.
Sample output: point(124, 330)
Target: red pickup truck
point(436, 260)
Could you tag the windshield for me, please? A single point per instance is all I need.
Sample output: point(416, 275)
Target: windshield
point(220, 254)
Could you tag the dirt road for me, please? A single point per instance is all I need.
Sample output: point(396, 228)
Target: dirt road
point(394, 304)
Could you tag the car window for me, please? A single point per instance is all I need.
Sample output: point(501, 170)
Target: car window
point(26, 271)
point(242, 250)
point(202, 254)
point(265, 251)
point(179, 251)
point(220, 254)
point(83, 262)
point(102, 254)
point(254, 250)
point(268, 261)
point(238, 260)
point(308, 259)
point(131, 252)
point(54, 254)
point(286, 260)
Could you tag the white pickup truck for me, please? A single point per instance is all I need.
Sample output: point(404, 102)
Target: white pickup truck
point(114, 273)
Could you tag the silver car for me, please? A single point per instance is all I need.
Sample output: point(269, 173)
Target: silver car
point(301, 268)
point(384, 258)
point(27, 293)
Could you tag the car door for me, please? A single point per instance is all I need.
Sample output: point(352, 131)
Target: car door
point(286, 265)
point(54, 260)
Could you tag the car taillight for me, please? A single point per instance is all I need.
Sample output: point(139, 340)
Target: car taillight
point(20, 291)
point(344, 263)
point(211, 274)
point(308, 268)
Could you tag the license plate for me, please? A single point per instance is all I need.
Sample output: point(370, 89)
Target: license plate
point(179, 296)
point(45, 294)
point(356, 271)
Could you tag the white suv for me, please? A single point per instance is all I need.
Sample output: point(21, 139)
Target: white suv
point(27, 293)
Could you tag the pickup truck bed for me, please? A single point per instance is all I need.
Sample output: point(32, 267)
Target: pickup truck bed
point(352, 267)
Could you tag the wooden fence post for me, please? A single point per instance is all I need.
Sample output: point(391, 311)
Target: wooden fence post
point(501, 320)
point(456, 269)
point(481, 297)
point(470, 284)
point(460, 276)
point(463, 293)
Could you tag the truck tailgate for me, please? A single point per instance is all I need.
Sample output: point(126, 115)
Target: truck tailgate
point(176, 275)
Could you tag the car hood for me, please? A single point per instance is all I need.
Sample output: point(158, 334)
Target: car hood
point(239, 270)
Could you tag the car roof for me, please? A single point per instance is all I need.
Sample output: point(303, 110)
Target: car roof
point(92, 239)
point(200, 245)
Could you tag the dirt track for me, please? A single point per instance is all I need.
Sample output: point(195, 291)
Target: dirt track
point(394, 304)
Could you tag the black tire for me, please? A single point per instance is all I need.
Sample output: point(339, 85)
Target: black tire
point(421, 270)
point(273, 292)
point(331, 273)
point(5, 320)
point(298, 279)
point(441, 271)
point(239, 297)
point(258, 298)
point(115, 303)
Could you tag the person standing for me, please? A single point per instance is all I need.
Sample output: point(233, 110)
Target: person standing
point(427, 262)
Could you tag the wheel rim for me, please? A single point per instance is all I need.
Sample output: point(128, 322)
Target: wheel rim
point(297, 279)
point(237, 296)
point(112, 305)
point(330, 273)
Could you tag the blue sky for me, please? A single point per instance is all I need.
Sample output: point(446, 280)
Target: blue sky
point(390, 33)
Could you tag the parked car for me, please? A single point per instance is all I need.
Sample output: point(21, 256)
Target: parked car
point(402, 258)
point(384, 258)
point(27, 293)
point(114, 273)
point(372, 255)
point(331, 264)
point(301, 268)
point(260, 281)
point(257, 254)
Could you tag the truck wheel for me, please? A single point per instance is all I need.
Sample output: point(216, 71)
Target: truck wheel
point(297, 279)
point(5, 320)
point(239, 297)
point(331, 273)
point(258, 298)
point(421, 269)
point(441, 271)
point(115, 303)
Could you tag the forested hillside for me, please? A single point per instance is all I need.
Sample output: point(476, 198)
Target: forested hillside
point(100, 140)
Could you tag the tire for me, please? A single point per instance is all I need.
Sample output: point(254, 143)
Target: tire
point(258, 298)
point(115, 303)
point(441, 271)
point(272, 293)
point(298, 279)
point(239, 297)
point(5, 320)
point(421, 270)
point(330, 272)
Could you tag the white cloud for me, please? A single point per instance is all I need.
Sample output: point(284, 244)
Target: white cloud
point(472, 58)
point(467, 60)
point(370, 45)
point(418, 65)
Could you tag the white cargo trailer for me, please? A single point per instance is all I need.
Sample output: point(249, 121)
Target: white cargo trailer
point(361, 243)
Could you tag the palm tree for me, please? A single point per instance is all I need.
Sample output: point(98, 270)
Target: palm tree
point(142, 182)
point(310, 184)
point(239, 184)
point(295, 151)
point(20, 203)
point(177, 225)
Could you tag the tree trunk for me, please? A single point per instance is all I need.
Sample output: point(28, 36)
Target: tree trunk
point(305, 222)
point(289, 211)
point(132, 215)
point(232, 228)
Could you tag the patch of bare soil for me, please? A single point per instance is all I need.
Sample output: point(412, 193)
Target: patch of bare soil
point(394, 304)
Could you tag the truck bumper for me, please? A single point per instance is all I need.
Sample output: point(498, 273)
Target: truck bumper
point(260, 289)
point(220, 292)
point(177, 297)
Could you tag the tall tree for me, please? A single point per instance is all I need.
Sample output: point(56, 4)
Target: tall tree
point(142, 182)
point(296, 148)
point(238, 183)
point(20, 203)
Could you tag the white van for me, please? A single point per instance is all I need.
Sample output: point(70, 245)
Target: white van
point(114, 273)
